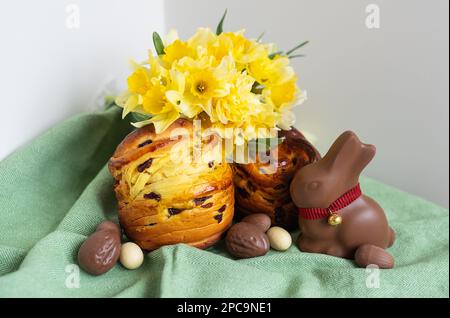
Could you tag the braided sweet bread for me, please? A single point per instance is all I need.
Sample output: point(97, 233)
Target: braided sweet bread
point(165, 197)
point(259, 192)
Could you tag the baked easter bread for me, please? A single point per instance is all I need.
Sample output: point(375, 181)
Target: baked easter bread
point(166, 196)
point(258, 191)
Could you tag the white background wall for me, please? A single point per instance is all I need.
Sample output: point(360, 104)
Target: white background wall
point(390, 85)
point(49, 72)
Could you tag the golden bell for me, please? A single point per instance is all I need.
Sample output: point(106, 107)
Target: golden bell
point(334, 219)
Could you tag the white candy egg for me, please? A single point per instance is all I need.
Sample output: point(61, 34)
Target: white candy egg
point(131, 255)
point(279, 238)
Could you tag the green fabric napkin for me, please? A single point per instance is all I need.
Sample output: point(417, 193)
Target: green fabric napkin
point(54, 191)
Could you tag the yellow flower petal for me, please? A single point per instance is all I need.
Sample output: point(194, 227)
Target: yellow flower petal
point(182, 105)
point(177, 50)
point(163, 121)
point(212, 77)
point(155, 99)
point(202, 38)
point(283, 94)
point(122, 98)
point(178, 81)
point(174, 97)
point(287, 120)
point(130, 105)
point(171, 37)
point(143, 123)
point(221, 111)
point(139, 81)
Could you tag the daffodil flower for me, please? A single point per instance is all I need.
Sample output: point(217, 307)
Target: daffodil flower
point(227, 80)
point(177, 97)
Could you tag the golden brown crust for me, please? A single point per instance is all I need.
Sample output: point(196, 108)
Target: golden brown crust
point(258, 192)
point(166, 199)
point(145, 140)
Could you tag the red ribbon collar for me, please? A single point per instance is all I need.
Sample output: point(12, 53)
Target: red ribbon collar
point(340, 203)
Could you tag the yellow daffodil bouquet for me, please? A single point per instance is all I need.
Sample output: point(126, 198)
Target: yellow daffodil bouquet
point(242, 91)
point(224, 78)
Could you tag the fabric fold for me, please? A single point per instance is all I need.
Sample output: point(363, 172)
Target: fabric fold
point(55, 190)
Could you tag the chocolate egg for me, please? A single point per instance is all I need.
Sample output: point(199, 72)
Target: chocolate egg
point(261, 220)
point(101, 250)
point(108, 225)
point(245, 240)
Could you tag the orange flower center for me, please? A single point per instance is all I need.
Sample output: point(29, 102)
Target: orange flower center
point(201, 87)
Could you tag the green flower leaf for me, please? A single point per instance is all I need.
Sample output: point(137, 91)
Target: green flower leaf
point(272, 55)
point(110, 101)
point(296, 48)
point(158, 43)
point(259, 38)
point(219, 28)
point(257, 88)
point(136, 117)
point(296, 55)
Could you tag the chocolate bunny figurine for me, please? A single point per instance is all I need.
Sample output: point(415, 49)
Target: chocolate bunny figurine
point(335, 218)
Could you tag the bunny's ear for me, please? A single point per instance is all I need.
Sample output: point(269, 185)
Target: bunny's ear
point(349, 155)
point(366, 154)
